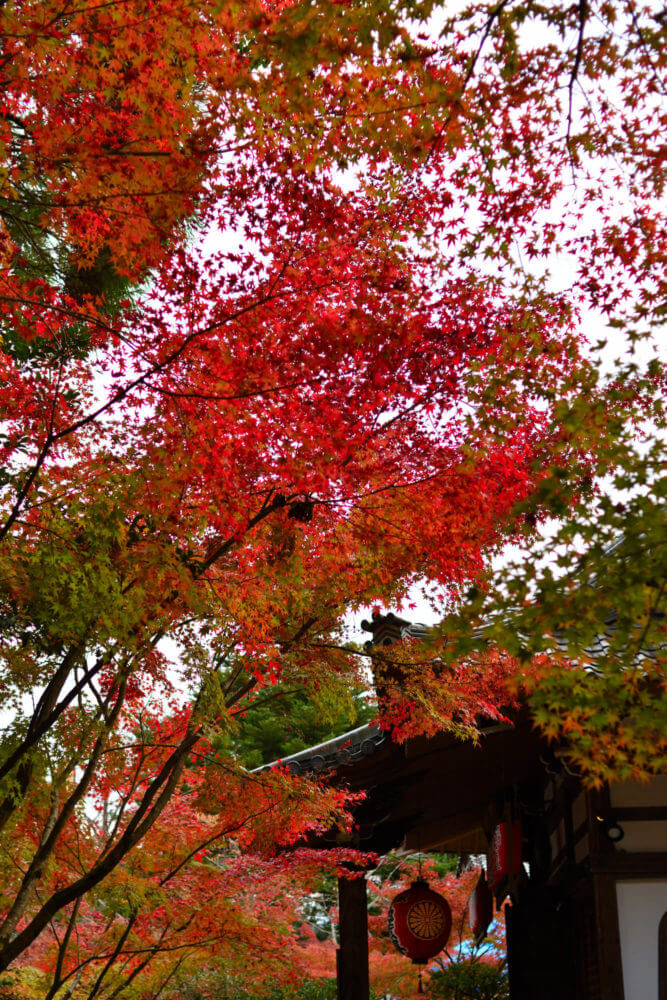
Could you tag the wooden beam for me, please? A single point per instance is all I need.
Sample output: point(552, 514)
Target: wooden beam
point(639, 865)
point(352, 955)
point(609, 938)
point(428, 834)
point(640, 813)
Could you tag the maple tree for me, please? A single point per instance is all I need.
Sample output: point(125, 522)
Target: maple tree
point(584, 615)
point(271, 352)
point(197, 892)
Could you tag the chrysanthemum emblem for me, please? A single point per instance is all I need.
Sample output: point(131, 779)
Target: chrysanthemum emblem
point(426, 920)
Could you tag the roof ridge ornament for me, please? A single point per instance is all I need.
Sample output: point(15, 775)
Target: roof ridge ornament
point(389, 629)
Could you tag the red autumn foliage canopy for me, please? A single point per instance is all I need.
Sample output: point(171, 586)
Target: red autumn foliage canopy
point(273, 349)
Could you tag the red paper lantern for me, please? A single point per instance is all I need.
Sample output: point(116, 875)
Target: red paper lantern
point(419, 922)
point(480, 909)
point(504, 855)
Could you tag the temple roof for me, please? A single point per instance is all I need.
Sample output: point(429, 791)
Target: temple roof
point(427, 793)
point(346, 749)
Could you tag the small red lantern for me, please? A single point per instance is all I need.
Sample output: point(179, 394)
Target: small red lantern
point(480, 909)
point(504, 855)
point(419, 922)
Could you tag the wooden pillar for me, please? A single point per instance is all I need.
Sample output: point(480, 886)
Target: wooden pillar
point(352, 955)
point(539, 947)
point(604, 893)
point(662, 958)
point(609, 939)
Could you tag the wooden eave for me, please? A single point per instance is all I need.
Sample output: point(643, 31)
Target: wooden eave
point(430, 794)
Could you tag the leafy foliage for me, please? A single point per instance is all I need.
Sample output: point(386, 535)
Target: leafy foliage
point(469, 980)
point(584, 612)
point(283, 722)
point(308, 989)
point(278, 342)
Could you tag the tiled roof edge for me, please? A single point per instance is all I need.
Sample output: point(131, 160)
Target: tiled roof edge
point(346, 749)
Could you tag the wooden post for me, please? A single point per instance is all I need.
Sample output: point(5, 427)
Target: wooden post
point(609, 942)
point(352, 955)
point(604, 894)
point(662, 958)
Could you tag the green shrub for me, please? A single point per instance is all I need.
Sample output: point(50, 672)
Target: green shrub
point(470, 979)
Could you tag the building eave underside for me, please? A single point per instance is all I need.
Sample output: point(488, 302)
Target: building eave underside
point(425, 794)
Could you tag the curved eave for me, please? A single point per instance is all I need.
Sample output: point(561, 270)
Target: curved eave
point(349, 748)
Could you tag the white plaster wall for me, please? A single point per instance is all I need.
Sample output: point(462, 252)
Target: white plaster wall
point(640, 793)
point(641, 905)
point(644, 835)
